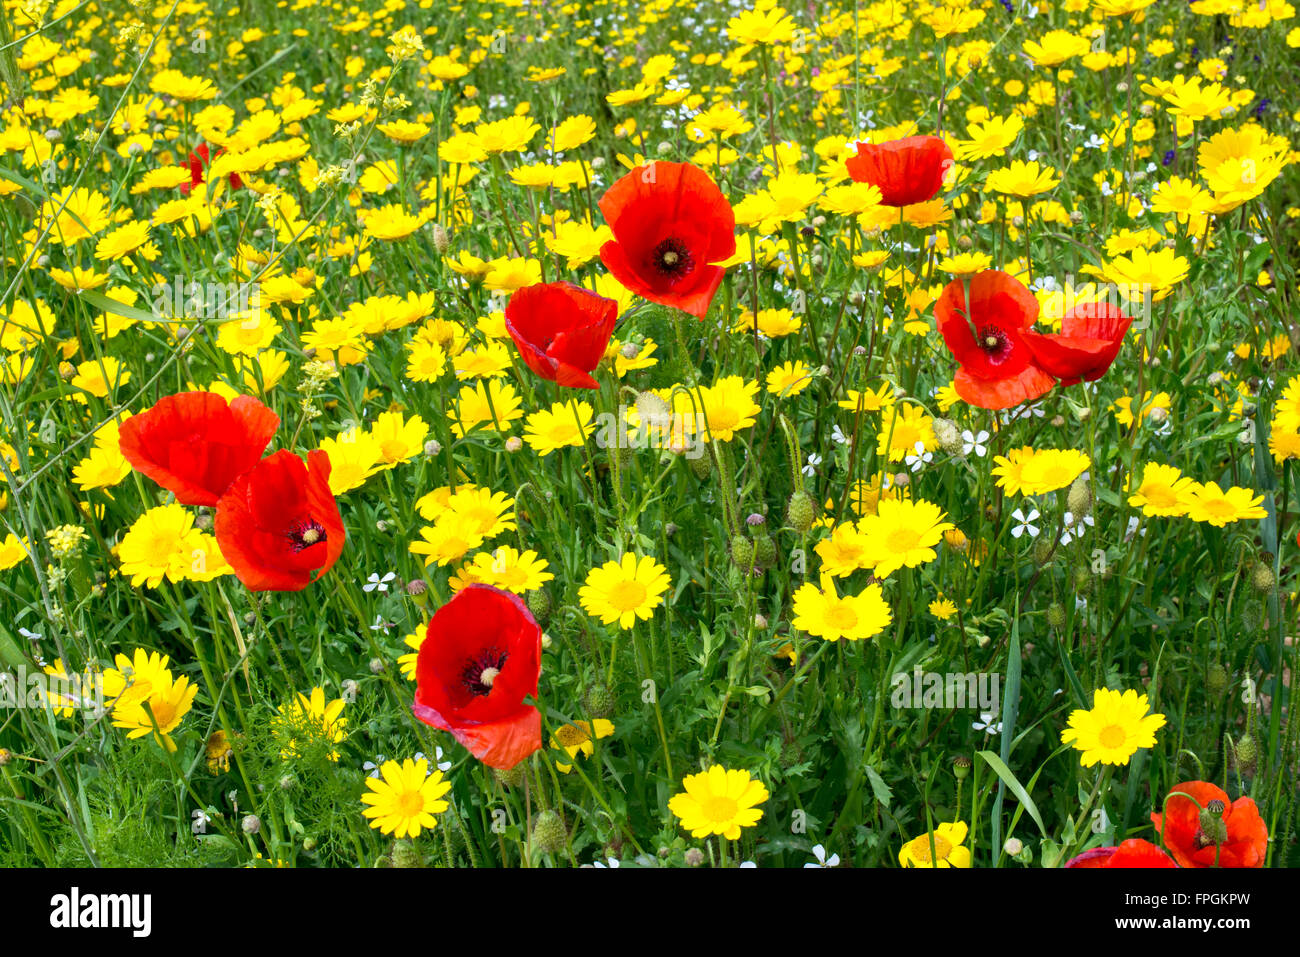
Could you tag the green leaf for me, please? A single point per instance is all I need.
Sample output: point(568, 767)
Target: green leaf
point(1009, 779)
point(878, 786)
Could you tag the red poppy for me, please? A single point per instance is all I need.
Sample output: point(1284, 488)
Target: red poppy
point(906, 171)
point(1243, 837)
point(278, 523)
point(998, 369)
point(670, 223)
point(195, 444)
point(1134, 852)
point(482, 655)
point(1090, 339)
point(198, 167)
point(561, 331)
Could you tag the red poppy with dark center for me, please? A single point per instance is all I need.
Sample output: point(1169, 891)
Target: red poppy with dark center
point(561, 331)
point(998, 369)
point(195, 443)
point(278, 524)
point(199, 160)
point(481, 656)
point(1134, 852)
point(1090, 339)
point(1189, 831)
point(906, 171)
point(671, 223)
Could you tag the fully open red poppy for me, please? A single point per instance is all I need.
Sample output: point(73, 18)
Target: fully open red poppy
point(906, 171)
point(1247, 835)
point(482, 655)
point(1134, 852)
point(561, 331)
point(278, 523)
point(670, 223)
point(998, 369)
point(1090, 339)
point(199, 160)
point(195, 443)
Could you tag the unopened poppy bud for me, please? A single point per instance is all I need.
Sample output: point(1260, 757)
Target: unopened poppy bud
point(549, 833)
point(251, 824)
point(764, 551)
point(800, 511)
point(1056, 615)
point(1262, 578)
point(539, 603)
point(432, 447)
point(406, 854)
point(1079, 499)
point(441, 239)
point(742, 552)
point(701, 464)
point(514, 443)
point(510, 777)
point(598, 701)
point(960, 766)
point(1246, 752)
point(1043, 551)
point(1216, 680)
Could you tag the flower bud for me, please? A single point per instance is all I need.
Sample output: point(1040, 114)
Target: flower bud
point(694, 857)
point(549, 833)
point(441, 239)
point(1079, 499)
point(406, 854)
point(800, 511)
point(539, 603)
point(251, 824)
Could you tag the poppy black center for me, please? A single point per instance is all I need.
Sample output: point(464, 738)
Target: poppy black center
point(994, 342)
point(672, 258)
point(481, 670)
point(305, 534)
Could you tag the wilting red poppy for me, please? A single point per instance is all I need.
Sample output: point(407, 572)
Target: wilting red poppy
point(670, 223)
point(1134, 852)
point(1189, 831)
point(482, 655)
point(998, 369)
point(199, 160)
point(561, 331)
point(906, 171)
point(1090, 339)
point(278, 523)
point(195, 444)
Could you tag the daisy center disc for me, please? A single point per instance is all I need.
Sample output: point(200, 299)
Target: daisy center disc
point(1111, 736)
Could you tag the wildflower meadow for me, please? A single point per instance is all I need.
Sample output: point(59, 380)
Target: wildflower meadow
point(656, 434)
